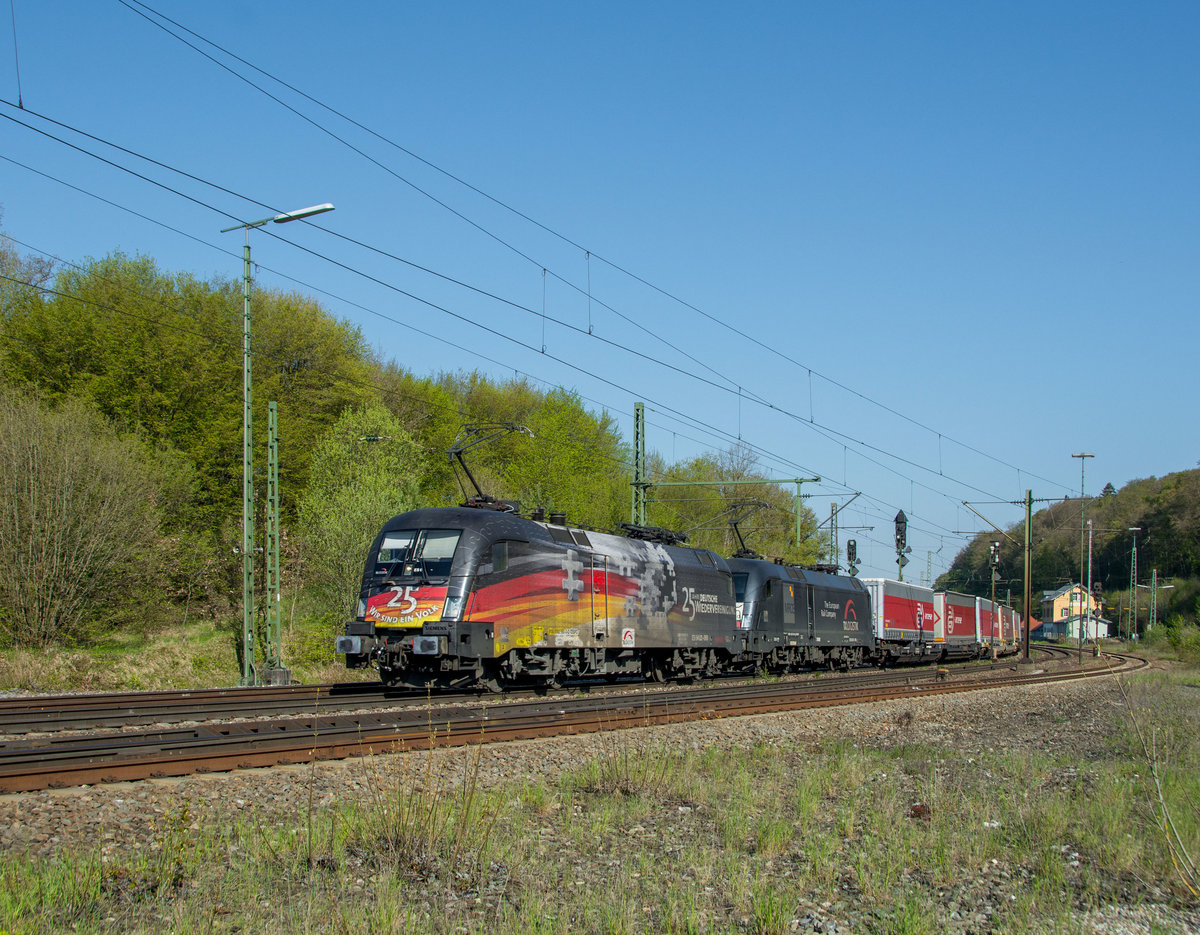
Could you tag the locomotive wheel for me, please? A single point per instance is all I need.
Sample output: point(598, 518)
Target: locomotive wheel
point(490, 680)
point(654, 670)
point(547, 683)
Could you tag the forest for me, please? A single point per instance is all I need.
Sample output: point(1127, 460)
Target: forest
point(121, 436)
point(1157, 516)
point(121, 408)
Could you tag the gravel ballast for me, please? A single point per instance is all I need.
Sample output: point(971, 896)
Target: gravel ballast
point(1068, 720)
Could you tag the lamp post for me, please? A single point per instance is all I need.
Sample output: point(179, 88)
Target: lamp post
point(248, 673)
point(1082, 456)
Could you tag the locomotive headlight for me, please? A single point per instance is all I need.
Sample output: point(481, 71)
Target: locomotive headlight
point(453, 607)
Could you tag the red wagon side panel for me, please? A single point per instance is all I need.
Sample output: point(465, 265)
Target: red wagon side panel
point(903, 615)
point(958, 614)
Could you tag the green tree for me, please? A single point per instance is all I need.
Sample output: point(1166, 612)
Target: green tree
point(355, 485)
point(162, 354)
point(704, 511)
point(574, 463)
point(78, 520)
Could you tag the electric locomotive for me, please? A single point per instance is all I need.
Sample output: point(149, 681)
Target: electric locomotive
point(800, 617)
point(458, 596)
point(479, 594)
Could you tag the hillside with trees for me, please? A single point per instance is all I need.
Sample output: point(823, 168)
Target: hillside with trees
point(121, 403)
point(1165, 510)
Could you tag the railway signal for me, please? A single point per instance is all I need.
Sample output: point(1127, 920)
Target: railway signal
point(901, 543)
point(852, 556)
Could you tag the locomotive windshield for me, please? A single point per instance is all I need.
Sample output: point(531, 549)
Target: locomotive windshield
point(421, 554)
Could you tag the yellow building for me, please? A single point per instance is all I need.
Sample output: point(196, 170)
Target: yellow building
point(1063, 609)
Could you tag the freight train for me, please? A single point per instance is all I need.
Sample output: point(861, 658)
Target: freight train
point(483, 596)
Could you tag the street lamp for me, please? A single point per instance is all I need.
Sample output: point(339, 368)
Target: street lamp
point(248, 674)
point(1082, 456)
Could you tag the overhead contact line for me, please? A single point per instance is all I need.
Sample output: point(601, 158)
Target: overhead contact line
point(589, 253)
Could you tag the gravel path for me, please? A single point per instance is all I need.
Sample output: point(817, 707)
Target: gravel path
point(1067, 718)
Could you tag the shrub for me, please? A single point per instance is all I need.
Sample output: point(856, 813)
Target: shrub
point(78, 519)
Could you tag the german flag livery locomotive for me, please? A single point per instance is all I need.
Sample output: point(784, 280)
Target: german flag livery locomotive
point(460, 595)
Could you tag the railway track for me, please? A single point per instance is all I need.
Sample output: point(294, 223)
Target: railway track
point(20, 715)
point(40, 714)
point(49, 713)
point(111, 756)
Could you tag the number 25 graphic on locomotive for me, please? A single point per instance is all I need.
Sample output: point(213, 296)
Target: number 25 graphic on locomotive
point(404, 600)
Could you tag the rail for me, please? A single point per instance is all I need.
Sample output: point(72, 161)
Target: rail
point(58, 761)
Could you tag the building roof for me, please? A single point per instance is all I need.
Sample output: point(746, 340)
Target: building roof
point(1051, 595)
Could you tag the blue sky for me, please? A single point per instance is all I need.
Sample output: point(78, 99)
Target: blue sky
point(983, 217)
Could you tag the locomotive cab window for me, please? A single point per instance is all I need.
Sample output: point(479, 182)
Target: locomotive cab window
point(392, 550)
point(435, 551)
point(419, 553)
point(739, 586)
point(499, 557)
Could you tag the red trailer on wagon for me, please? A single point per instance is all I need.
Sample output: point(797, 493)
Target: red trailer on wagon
point(904, 620)
point(959, 618)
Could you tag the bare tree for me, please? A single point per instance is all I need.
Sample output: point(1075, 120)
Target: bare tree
point(77, 508)
point(20, 277)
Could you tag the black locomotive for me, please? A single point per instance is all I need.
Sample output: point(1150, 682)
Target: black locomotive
point(458, 596)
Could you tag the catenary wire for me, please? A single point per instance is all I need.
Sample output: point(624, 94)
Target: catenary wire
point(590, 253)
point(819, 427)
point(416, 298)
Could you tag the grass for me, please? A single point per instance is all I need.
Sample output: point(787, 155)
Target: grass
point(661, 839)
point(199, 655)
point(679, 839)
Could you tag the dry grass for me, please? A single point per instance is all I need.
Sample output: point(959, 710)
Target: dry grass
point(906, 839)
point(199, 655)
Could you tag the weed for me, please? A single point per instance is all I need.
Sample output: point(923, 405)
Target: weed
point(768, 908)
point(1172, 792)
point(437, 828)
point(911, 917)
point(772, 835)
